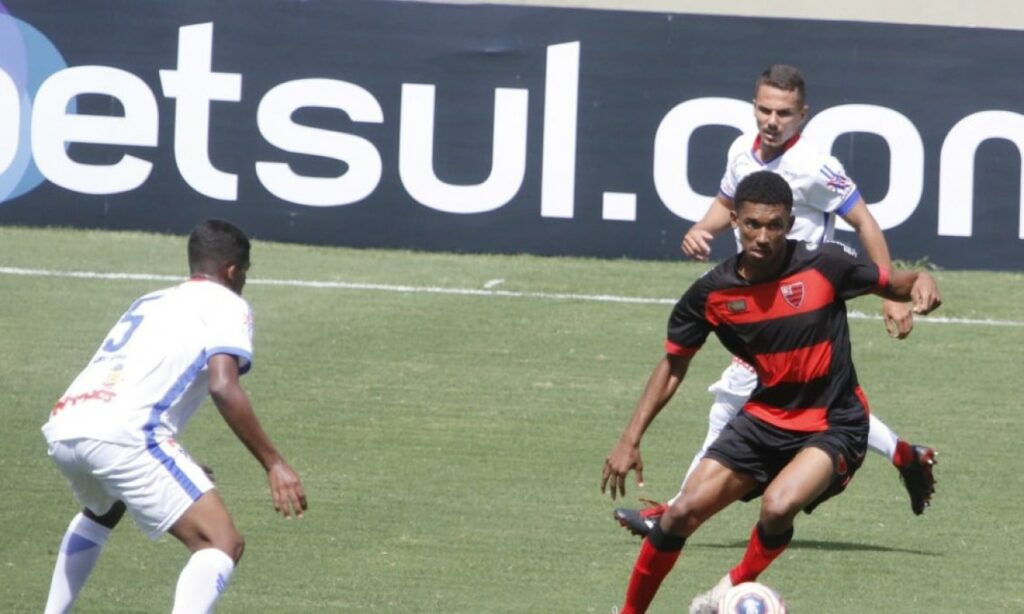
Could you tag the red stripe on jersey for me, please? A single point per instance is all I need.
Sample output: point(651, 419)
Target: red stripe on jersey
point(806, 291)
point(680, 350)
point(810, 420)
point(795, 366)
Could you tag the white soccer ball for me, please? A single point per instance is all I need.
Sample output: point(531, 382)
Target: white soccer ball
point(751, 598)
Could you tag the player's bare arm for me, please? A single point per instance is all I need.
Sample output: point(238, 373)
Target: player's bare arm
point(233, 404)
point(917, 287)
point(661, 386)
point(697, 241)
point(898, 318)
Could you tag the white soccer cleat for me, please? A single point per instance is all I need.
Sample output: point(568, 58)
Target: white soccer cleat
point(707, 603)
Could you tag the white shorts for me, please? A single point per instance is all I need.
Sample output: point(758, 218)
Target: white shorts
point(157, 484)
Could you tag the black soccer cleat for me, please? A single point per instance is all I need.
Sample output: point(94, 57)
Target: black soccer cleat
point(639, 522)
point(918, 479)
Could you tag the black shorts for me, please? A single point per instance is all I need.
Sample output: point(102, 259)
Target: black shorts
point(750, 446)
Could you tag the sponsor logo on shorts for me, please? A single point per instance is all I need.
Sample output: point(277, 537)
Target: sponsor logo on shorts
point(841, 467)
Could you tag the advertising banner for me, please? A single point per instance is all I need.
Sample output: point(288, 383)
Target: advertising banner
point(509, 129)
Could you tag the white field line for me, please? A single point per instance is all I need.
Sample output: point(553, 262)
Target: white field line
point(556, 296)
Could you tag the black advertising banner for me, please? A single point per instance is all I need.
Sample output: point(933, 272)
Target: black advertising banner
point(488, 128)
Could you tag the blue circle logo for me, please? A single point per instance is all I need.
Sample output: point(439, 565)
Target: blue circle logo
point(27, 59)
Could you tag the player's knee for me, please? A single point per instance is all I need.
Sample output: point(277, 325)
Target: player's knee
point(230, 543)
point(236, 547)
point(777, 512)
point(681, 518)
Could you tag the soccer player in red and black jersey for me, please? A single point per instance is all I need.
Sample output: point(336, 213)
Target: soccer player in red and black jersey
point(780, 306)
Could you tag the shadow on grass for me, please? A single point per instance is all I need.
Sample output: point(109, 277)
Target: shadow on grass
point(814, 544)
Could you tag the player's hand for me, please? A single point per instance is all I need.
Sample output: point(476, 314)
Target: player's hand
point(286, 490)
point(697, 244)
point(925, 294)
point(616, 467)
point(898, 318)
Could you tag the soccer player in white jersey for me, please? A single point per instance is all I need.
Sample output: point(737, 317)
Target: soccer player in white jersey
point(112, 434)
point(821, 191)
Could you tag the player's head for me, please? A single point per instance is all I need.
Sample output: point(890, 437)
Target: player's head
point(763, 216)
point(780, 106)
point(786, 78)
point(766, 188)
point(220, 250)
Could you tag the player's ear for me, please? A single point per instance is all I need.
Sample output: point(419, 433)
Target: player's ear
point(734, 216)
point(792, 220)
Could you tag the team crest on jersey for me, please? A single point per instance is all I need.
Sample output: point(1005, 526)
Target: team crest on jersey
point(794, 294)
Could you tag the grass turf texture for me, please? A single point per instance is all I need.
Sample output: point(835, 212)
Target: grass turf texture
point(451, 446)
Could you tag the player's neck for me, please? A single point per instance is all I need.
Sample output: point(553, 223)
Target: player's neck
point(200, 276)
point(756, 271)
point(767, 153)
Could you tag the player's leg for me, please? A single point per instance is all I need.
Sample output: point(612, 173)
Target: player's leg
point(174, 494)
point(641, 521)
point(207, 530)
point(712, 487)
point(725, 406)
point(882, 439)
point(800, 483)
point(86, 534)
point(730, 392)
point(914, 462)
point(80, 549)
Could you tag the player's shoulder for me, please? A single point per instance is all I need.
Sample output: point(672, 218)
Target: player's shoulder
point(824, 252)
point(717, 277)
point(743, 145)
point(809, 154)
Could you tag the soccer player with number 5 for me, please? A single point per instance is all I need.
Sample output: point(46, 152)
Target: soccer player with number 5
point(112, 434)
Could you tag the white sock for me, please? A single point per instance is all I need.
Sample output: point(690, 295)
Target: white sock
point(79, 550)
point(201, 582)
point(881, 438)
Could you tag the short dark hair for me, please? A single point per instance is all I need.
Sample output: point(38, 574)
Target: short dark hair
point(214, 243)
point(766, 188)
point(783, 77)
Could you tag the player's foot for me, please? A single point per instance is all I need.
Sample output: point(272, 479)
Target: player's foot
point(640, 522)
point(707, 603)
point(917, 477)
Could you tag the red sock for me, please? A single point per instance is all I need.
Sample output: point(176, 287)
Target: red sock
point(904, 454)
point(650, 569)
point(758, 557)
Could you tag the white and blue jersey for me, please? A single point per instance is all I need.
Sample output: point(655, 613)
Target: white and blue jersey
point(821, 189)
point(149, 375)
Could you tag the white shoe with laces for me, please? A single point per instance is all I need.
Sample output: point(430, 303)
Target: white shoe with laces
point(707, 603)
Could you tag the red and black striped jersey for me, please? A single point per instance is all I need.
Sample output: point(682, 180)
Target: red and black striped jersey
point(791, 329)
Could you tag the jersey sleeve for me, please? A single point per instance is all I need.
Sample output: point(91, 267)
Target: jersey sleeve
point(687, 326)
point(831, 190)
point(229, 330)
point(852, 275)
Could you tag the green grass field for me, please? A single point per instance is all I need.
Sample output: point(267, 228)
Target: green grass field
point(451, 444)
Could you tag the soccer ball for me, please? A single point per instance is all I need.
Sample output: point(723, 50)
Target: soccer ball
point(751, 598)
